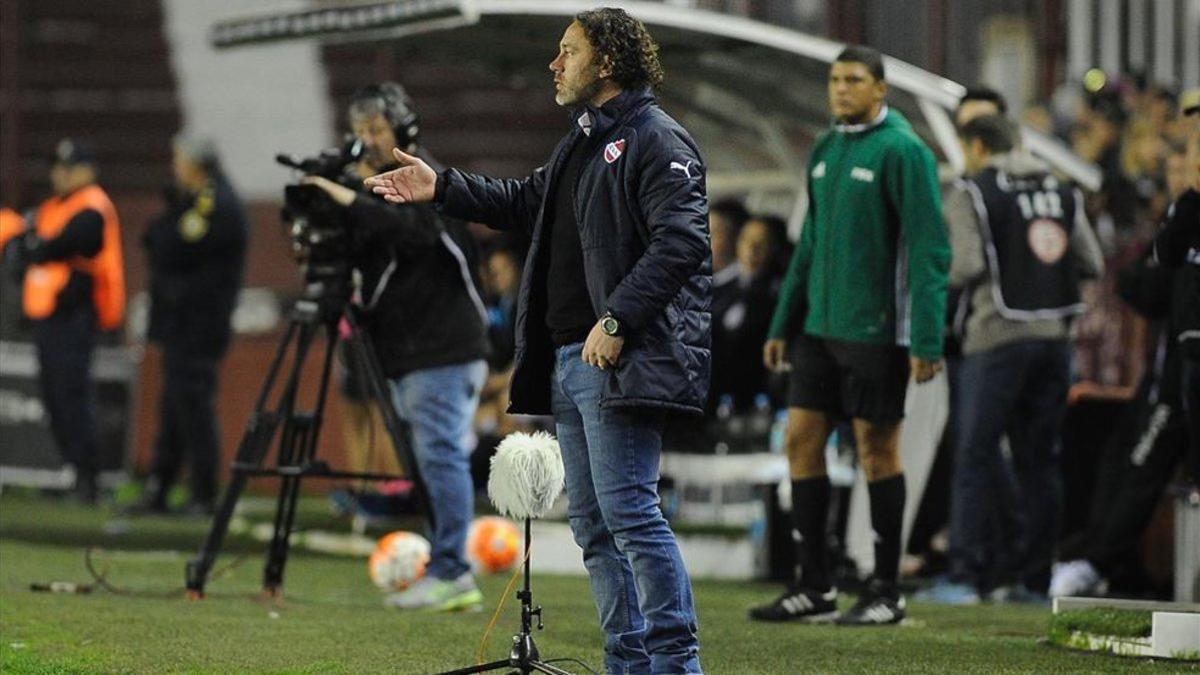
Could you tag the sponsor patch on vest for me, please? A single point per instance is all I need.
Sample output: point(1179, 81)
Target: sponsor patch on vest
point(860, 173)
point(819, 170)
point(1047, 239)
point(613, 150)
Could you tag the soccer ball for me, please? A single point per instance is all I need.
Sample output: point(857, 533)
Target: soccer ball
point(399, 560)
point(493, 544)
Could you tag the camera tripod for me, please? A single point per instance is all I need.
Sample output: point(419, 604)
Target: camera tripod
point(299, 431)
point(524, 657)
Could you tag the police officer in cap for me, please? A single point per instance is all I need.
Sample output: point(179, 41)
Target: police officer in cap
point(196, 250)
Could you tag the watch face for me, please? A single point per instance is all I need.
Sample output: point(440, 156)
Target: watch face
point(609, 325)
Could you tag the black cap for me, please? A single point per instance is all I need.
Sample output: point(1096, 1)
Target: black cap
point(70, 152)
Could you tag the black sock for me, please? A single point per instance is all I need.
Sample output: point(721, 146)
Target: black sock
point(887, 519)
point(810, 508)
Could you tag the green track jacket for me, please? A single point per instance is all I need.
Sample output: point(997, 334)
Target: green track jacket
point(873, 257)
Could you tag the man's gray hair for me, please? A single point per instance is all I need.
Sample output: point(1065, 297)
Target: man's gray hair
point(201, 150)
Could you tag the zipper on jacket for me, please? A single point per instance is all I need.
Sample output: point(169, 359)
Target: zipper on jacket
point(837, 191)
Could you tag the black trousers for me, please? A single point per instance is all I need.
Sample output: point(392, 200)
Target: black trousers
point(65, 342)
point(1190, 374)
point(1135, 466)
point(187, 427)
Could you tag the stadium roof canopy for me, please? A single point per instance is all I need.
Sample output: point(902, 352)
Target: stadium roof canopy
point(752, 94)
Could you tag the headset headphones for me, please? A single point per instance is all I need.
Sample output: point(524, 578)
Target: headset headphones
point(397, 108)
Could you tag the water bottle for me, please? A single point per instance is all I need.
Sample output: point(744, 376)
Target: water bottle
point(760, 423)
point(778, 441)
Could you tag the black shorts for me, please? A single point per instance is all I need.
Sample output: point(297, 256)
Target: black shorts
point(852, 380)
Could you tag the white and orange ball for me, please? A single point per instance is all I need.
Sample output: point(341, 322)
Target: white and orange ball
point(493, 544)
point(399, 559)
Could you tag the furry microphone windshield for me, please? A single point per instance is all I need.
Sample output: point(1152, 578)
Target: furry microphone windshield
point(527, 475)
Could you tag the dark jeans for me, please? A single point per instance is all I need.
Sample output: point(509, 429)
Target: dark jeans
point(187, 426)
point(65, 342)
point(1020, 390)
point(641, 588)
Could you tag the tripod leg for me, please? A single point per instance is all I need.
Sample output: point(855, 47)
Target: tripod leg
point(543, 667)
point(380, 392)
point(285, 511)
point(253, 447)
point(524, 656)
point(298, 450)
point(481, 668)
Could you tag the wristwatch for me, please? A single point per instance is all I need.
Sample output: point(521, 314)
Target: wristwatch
point(610, 325)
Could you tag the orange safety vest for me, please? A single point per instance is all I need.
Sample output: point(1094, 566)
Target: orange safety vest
point(44, 282)
point(11, 225)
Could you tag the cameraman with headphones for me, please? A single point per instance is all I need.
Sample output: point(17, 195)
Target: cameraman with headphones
point(417, 301)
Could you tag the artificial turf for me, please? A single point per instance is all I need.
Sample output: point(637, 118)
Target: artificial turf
point(331, 619)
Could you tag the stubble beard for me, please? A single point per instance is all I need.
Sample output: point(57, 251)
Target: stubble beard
point(581, 95)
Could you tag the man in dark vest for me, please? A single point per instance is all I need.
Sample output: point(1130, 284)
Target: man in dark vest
point(1021, 247)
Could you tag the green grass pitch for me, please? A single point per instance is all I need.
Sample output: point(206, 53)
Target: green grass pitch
point(331, 619)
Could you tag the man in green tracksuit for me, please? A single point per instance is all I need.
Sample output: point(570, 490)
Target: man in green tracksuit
point(861, 308)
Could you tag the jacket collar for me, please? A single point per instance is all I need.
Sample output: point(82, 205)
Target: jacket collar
point(865, 126)
point(595, 121)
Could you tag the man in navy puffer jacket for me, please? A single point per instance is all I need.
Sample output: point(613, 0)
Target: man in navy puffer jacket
point(613, 323)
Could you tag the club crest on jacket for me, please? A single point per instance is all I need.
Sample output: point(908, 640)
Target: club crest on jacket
point(613, 150)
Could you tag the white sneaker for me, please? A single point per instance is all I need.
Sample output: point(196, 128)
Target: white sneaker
point(441, 595)
point(1074, 578)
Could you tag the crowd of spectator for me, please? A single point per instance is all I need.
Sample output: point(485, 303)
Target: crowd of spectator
point(1130, 128)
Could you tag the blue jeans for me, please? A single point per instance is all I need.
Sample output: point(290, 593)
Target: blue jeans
point(1018, 389)
point(639, 583)
point(439, 405)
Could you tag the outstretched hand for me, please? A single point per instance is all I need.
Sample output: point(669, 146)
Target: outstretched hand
point(412, 183)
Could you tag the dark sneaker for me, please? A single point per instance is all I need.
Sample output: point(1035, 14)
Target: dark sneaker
point(803, 605)
point(879, 605)
point(148, 505)
point(85, 491)
point(197, 508)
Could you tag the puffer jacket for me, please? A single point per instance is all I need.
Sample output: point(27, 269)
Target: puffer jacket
point(642, 214)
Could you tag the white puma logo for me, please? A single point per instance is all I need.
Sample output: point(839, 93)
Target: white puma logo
point(685, 168)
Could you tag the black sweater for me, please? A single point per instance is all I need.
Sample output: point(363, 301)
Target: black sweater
point(1178, 246)
point(421, 307)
